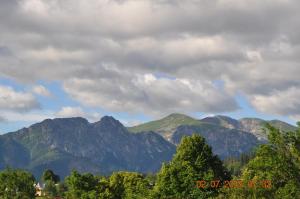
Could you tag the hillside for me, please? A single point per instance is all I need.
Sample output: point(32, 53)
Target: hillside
point(221, 132)
point(74, 143)
point(166, 126)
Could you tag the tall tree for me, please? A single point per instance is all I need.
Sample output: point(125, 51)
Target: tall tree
point(49, 175)
point(193, 161)
point(50, 189)
point(81, 185)
point(17, 184)
point(277, 163)
point(129, 185)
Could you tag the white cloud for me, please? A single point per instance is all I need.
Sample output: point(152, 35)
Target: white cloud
point(131, 123)
point(279, 102)
point(41, 90)
point(16, 100)
point(157, 55)
point(35, 6)
point(69, 111)
point(148, 94)
point(33, 116)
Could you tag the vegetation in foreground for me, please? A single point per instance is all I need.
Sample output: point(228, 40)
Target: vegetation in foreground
point(278, 161)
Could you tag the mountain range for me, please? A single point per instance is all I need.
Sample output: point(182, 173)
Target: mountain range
point(105, 146)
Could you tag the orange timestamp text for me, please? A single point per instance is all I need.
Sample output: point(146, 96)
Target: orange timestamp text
point(215, 184)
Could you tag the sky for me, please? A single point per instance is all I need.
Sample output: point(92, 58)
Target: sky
point(140, 60)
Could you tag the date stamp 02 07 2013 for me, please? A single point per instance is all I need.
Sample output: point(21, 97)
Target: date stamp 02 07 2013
point(265, 184)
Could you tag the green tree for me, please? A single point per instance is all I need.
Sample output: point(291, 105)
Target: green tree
point(193, 161)
point(120, 185)
point(129, 185)
point(103, 188)
point(61, 189)
point(81, 185)
point(49, 175)
point(236, 164)
point(17, 184)
point(50, 189)
point(279, 163)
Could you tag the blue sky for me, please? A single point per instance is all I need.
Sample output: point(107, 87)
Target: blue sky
point(143, 60)
point(50, 106)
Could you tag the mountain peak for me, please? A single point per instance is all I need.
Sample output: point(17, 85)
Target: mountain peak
point(166, 125)
point(109, 120)
point(63, 121)
point(177, 115)
point(222, 120)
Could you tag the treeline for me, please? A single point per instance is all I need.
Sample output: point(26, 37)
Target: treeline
point(273, 171)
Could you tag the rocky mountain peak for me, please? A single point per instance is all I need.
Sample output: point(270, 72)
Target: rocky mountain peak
point(222, 120)
point(110, 121)
point(71, 120)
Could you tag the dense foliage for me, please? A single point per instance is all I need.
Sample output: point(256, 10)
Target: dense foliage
point(49, 175)
point(16, 184)
point(236, 164)
point(193, 161)
point(277, 162)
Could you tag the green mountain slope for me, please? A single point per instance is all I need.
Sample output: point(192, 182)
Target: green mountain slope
point(221, 132)
point(167, 125)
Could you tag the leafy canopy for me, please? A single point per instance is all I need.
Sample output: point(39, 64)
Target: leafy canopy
point(193, 161)
point(17, 184)
point(279, 162)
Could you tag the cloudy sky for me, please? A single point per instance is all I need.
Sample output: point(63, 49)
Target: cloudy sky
point(139, 60)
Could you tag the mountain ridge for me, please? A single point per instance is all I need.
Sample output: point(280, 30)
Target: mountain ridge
point(63, 144)
point(103, 147)
point(250, 125)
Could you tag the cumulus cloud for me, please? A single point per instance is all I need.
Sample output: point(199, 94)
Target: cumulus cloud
point(15, 100)
point(157, 56)
point(33, 116)
point(279, 102)
point(150, 94)
point(69, 111)
point(41, 90)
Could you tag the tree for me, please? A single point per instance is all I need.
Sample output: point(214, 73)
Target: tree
point(278, 162)
point(61, 189)
point(125, 185)
point(235, 164)
point(193, 161)
point(50, 189)
point(49, 175)
point(80, 185)
point(129, 185)
point(16, 184)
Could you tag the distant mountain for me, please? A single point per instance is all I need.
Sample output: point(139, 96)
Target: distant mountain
point(282, 125)
point(167, 125)
point(225, 142)
point(223, 121)
point(227, 136)
point(74, 143)
point(221, 132)
point(256, 126)
point(105, 146)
